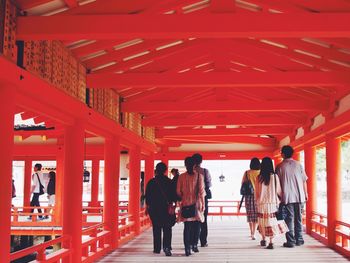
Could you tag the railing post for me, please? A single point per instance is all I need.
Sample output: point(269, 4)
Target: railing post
point(27, 182)
point(95, 182)
point(333, 156)
point(7, 110)
point(310, 169)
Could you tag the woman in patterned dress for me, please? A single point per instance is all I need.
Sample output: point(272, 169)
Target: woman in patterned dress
point(190, 189)
point(250, 204)
point(268, 190)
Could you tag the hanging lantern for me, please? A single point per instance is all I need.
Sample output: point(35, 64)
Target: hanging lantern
point(86, 176)
point(222, 178)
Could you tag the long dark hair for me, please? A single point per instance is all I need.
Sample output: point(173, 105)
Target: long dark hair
point(266, 170)
point(254, 164)
point(189, 163)
point(52, 176)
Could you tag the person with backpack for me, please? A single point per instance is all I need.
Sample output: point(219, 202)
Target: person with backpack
point(37, 189)
point(247, 191)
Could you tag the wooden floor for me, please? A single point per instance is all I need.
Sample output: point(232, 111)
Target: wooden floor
point(228, 242)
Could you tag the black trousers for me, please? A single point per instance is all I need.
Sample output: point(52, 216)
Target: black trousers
point(157, 237)
point(191, 234)
point(35, 202)
point(204, 226)
point(294, 222)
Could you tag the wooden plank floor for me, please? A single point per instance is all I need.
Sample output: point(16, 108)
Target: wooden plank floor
point(228, 242)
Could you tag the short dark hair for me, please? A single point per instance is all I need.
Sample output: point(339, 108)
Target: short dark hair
point(197, 158)
point(161, 168)
point(255, 164)
point(38, 166)
point(287, 151)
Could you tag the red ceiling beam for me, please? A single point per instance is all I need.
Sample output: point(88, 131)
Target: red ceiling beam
point(223, 132)
point(69, 27)
point(281, 121)
point(241, 155)
point(226, 106)
point(219, 79)
point(71, 3)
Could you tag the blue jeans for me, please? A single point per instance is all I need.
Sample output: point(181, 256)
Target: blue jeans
point(294, 222)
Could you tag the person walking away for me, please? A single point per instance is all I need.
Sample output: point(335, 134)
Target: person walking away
point(203, 236)
point(160, 195)
point(175, 173)
point(250, 203)
point(37, 188)
point(51, 189)
point(190, 188)
point(294, 194)
point(268, 190)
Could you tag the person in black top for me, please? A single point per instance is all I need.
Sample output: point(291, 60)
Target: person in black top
point(159, 194)
point(176, 174)
point(51, 189)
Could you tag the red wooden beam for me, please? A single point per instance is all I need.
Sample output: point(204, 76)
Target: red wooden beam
point(226, 106)
point(183, 26)
point(223, 132)
point(219, 79)
point(71, 3)
point(215, 155)
point(183, 122)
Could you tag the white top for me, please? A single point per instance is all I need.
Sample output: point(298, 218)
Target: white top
point(35, 181)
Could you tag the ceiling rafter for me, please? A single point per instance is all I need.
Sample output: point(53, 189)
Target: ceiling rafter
point(184, 26)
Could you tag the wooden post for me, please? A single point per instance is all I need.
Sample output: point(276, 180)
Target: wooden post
point(149, 168)
point(59, 184)
point(333, 155)
point(310, 169)
point(134, 187)
point(73, 187)
point(7, 110)
point(27, 182)
point(111, 189)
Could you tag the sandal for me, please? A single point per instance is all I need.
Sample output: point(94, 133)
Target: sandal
point(270, 246)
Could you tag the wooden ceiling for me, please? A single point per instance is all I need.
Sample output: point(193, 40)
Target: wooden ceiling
point(208, 72)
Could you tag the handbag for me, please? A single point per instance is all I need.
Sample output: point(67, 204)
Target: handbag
point(281, 211)
point(207, 189)
point(41, 187)
point(188, 211)
point(247, 187)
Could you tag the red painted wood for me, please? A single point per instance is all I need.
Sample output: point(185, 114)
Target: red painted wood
point(160, 26)
point(111, 189)
point(73, 187)
point(334, 199)
point(310, 169)
point(7, 109)
point(95, 182)
point(27, 181)
point(134, 187)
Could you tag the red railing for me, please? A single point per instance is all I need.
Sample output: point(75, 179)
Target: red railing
point(342, 237)
point(20, 216)
point(225, 208)
point(57, 256)
point(319, 227)
point(96, 242)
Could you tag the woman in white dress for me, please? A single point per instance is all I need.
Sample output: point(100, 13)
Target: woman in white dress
point(268, 191)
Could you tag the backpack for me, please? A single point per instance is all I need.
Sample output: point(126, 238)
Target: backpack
point(247, 187)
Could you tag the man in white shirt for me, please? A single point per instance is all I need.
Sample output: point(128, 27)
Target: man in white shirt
point(37, 185)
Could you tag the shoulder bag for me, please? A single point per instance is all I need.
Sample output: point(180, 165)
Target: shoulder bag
point(41, 187)
point(247, 187)
point(171, 205)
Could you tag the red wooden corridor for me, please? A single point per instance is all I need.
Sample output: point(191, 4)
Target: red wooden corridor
point(146, 80)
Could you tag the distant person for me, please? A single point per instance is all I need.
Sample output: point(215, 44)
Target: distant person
point(159, 195)
point(294, 194)
point(190, 188)
point(268, 190)
point(250, 204)
point(51, 190)
point(207, 184)
point(13, 194)
point(37, 188)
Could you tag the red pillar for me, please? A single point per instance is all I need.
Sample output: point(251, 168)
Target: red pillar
point(59, 184)
point(7, 109)
point(27, 181)
point(134, 187)
point(111, 188)
point(310, 169)
point(333, 155)
point(297, 156)
point(73, 186)
point(149, 169)
point(95, 182)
